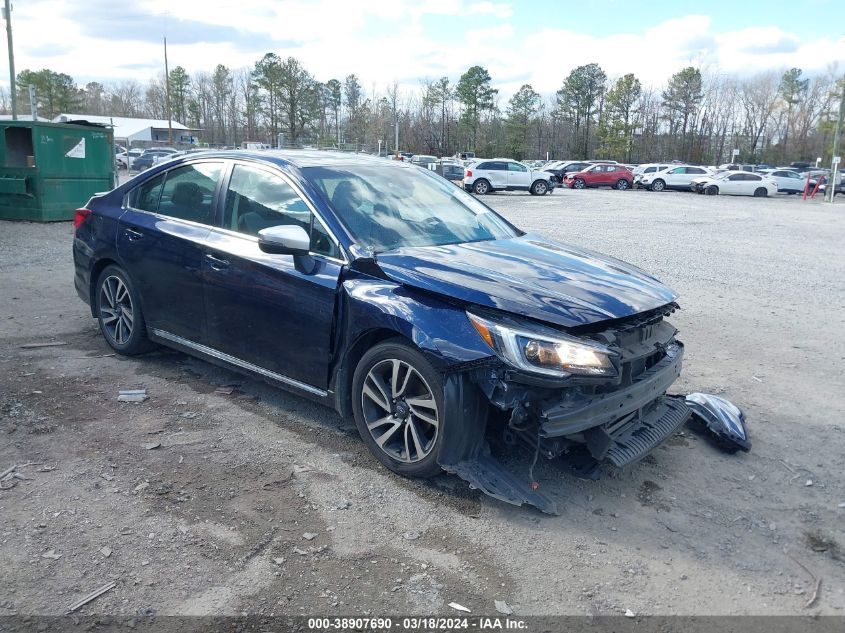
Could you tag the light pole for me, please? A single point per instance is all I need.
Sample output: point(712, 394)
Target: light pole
point(7, 13)
point(835, 161)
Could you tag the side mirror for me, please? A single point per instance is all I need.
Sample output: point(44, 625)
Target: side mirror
point(284, 240)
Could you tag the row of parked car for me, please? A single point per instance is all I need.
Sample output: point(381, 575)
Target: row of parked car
point(501, 174)
point(139, 159)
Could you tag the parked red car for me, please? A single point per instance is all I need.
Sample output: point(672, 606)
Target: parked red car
point(600, 175)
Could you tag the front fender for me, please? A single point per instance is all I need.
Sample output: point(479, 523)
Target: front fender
point(439, 328)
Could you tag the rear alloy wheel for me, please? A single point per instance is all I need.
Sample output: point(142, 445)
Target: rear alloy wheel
point(761, 192)
point(398, 406)
point(481, 187)
point(539, 188)
point(622, 184)
point(579, 184)
point(658, 185)
point(712, 190)
point(118, 311)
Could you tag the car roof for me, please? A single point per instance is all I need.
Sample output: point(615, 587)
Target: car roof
point(297, 158)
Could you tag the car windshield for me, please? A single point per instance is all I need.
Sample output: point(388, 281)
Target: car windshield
point(392, 207)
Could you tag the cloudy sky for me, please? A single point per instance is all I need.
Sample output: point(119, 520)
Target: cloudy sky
point(522, 41)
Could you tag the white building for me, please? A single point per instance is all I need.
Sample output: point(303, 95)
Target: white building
point(128, 130)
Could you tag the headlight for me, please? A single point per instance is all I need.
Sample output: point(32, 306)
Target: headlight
point(544, 351)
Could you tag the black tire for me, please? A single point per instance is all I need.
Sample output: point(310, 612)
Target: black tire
point(658, 185)
point(118, 309)
point(540, 188)
point(579, 184)
point(761, 192)
point(622, 184)
point(712, 190)
point(481, 187)
point(367, 410)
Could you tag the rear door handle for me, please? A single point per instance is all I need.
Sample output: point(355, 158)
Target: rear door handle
point(133, 235)
point(216, 263)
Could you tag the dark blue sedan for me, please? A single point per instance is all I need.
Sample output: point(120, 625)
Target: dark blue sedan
point(384, 291)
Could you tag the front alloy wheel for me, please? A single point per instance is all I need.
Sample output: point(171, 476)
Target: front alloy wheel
point(579, 183)
point(398, 406)
point(539, 188)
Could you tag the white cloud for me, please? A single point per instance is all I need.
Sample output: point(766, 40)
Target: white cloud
point(386, 40)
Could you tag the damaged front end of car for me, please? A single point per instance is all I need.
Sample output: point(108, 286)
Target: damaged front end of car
point(594, 396)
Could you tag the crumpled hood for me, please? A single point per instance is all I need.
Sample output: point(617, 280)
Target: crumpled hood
point(530, 276)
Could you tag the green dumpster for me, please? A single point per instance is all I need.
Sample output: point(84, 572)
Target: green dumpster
point(49, 169)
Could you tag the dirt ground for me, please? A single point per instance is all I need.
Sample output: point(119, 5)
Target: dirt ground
point(203, 502)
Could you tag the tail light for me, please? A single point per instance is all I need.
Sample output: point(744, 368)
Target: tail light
point(79, 216)
point(469, 173)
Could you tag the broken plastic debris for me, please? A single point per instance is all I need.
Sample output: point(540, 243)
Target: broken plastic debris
point(808, 483)
point(106, 551)
point(411, 536)
point(44, 344)
point(151, 445)
point(723, 419)
point(51, 554)
point(91, 596)
point(630, 614)
point(502, 607)
point(310, 536)
point(131, 395)
point(459, 607)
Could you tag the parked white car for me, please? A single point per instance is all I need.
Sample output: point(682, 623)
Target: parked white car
point(648, 168)
point(675, 177)
point(788, 181)
point(504, 174)
point(124, 160)
point(735, 183)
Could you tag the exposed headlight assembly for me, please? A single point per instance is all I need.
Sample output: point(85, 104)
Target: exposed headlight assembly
point(542, 351)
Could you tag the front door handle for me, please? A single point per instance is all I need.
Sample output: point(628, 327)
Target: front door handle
point(133, 235)
point(216, 263)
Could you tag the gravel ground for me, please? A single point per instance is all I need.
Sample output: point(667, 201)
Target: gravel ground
point(261, 502)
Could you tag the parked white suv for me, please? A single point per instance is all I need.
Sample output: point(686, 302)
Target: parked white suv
point(676, 177)
point(649, 168)
point(504, 174)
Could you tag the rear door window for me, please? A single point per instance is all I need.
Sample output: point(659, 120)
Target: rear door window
point(146, 196)
point(188, 192)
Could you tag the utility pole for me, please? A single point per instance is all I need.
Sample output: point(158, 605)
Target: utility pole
point(167, 97)
point(835, 164)
point(396, 130)
point(33, 104)
point(7, 13)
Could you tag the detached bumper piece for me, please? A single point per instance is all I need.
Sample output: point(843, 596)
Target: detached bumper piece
point(633, 437)
point(723, 419)
point(486, 474)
